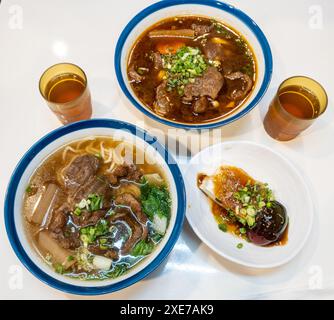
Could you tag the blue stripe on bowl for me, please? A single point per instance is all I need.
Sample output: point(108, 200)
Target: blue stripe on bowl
point(42, 143)
point(212, 3)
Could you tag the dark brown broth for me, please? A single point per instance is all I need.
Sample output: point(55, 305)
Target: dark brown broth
point(236, 61)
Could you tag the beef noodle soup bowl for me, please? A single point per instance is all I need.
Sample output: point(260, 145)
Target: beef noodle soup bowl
point(93, 208)
point(195, 64)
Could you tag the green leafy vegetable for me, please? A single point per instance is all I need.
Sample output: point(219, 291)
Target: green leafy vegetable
point(155, 237)
point(142, 248)
point(155, 200)
point(117, 271)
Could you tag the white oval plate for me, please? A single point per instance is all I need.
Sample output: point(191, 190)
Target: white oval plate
point(263, 164)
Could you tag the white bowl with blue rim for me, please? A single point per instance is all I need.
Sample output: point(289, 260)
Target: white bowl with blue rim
point(46, 146)
point(213, 9)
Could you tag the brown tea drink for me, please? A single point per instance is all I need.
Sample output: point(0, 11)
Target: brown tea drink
point(298, 102)
point(64, 86)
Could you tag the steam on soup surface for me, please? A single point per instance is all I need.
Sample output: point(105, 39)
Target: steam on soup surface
point(91, 212)
point(191, 69)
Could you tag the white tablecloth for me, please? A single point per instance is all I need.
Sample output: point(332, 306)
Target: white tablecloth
point(301, 36)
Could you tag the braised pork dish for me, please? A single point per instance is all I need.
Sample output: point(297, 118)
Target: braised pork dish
point(92, 212)
point(245, 207)
point(192, 69)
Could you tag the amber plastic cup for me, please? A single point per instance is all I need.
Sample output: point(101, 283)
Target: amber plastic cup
point(65, 90)
point(280, 122)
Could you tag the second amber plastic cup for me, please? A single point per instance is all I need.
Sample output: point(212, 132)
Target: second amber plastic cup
point(73, 102)
point(283, 125)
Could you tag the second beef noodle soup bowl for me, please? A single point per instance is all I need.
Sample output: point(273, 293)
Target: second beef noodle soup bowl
point(193, 64)
point(94, 207)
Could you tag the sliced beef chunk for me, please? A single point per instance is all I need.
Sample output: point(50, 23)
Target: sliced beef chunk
point(201, 105)
point(87, 218)
point(80, 170)
point(209, 84)
point(214, 51)
point(94, 185)
point(95, 249)
point(157, 60)
point(59, 220)
point(111, 253)
point(134, 75)
point(166, 101)
point(201, 29)
point(238, 84)
point(128, 200)
point(233, 63)
point(125, 172)
point(132, 237)
point(66, 237)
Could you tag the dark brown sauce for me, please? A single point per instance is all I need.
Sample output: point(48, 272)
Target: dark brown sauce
point(221, 214)
point(283, 239)
point(200, 178)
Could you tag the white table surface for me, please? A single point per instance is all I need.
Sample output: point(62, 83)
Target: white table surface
point(85, 33)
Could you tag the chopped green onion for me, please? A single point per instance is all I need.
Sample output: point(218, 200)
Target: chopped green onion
point(89, 234)
point(183, 67)
point(77, 211)
point(92, 203)
point(222, 227)
point(250, 221)
point(95, 202)
point(59, 268)
point(240, 245)
point(242, 230)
